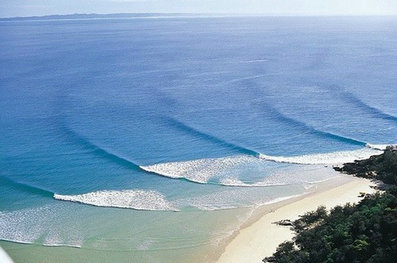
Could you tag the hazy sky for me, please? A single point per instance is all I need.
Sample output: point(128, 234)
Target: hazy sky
point(10, 8)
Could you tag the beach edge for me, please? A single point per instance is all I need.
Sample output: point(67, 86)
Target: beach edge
point(259, 236)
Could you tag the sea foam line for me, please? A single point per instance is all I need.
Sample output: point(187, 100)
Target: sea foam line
point(237, 182)
point(202, 170)
point(134, 199)
point(380, 147)
point(198, 171)
point(326, 158)
point(16, 226)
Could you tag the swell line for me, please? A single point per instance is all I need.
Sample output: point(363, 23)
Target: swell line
point(86, 143)
point(282, 117)
point(209, 137)
point(25, 187)
point(353, 99)
point(256, 91)
point(123, 161)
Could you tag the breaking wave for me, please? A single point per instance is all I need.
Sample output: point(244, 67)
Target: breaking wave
point(380, 147)
point(207, 170)
point(238, 182)
point(134, 199)
point(16, 226)
point(198, 171)
point(325, 158)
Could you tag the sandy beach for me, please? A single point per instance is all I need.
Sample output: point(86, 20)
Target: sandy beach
point(261, 238)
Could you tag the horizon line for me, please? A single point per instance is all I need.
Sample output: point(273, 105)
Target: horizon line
point(187, 14)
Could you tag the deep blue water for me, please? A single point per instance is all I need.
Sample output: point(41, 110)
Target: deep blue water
point(89, 105)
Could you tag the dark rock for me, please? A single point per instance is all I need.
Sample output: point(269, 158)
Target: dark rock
point(285, 222)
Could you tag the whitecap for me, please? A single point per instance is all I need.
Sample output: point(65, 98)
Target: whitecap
point(380, 147)
point(325, 158)
point(228, 170)
point(31, 226)
point(236, 182)
point(200, 170)
point(134, 199)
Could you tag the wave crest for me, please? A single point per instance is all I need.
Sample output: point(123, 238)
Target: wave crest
point(325, 158)
point(16, 226)
point(380, 147)
point(134, 199)
point(227, 170)
point(198, 171)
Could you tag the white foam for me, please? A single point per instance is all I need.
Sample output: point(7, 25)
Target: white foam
point(199, 171)
point(13, 227)
point(380, 147)
point(236, 182)
point(228, 169)
point(30, 226)
point(242, 197)
point(145, 245)
point(213, 201)
point(256, 60)
point(135, 199)
point(325, 158)
point(279, 199)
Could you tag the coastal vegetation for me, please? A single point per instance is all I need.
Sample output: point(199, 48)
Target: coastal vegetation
point(366, 232)
point(382, 167)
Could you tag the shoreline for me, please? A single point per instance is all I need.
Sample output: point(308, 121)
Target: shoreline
point(258, 237)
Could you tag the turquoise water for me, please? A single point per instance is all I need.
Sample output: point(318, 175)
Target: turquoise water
point(157, 137)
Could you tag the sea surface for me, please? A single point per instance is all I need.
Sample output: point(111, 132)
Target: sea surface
point(153, 139)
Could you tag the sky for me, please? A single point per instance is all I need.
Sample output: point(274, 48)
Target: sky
point(11, 8)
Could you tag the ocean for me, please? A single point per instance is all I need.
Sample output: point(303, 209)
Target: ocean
point(153, 139)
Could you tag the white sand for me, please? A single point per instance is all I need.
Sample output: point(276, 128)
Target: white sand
point(261, 238)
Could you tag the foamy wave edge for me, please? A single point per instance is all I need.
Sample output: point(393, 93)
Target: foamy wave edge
point(202, 170)
point(133, 199)
point(380, 147)
point(47, 244)
point(332, 158)
point(237, 182)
